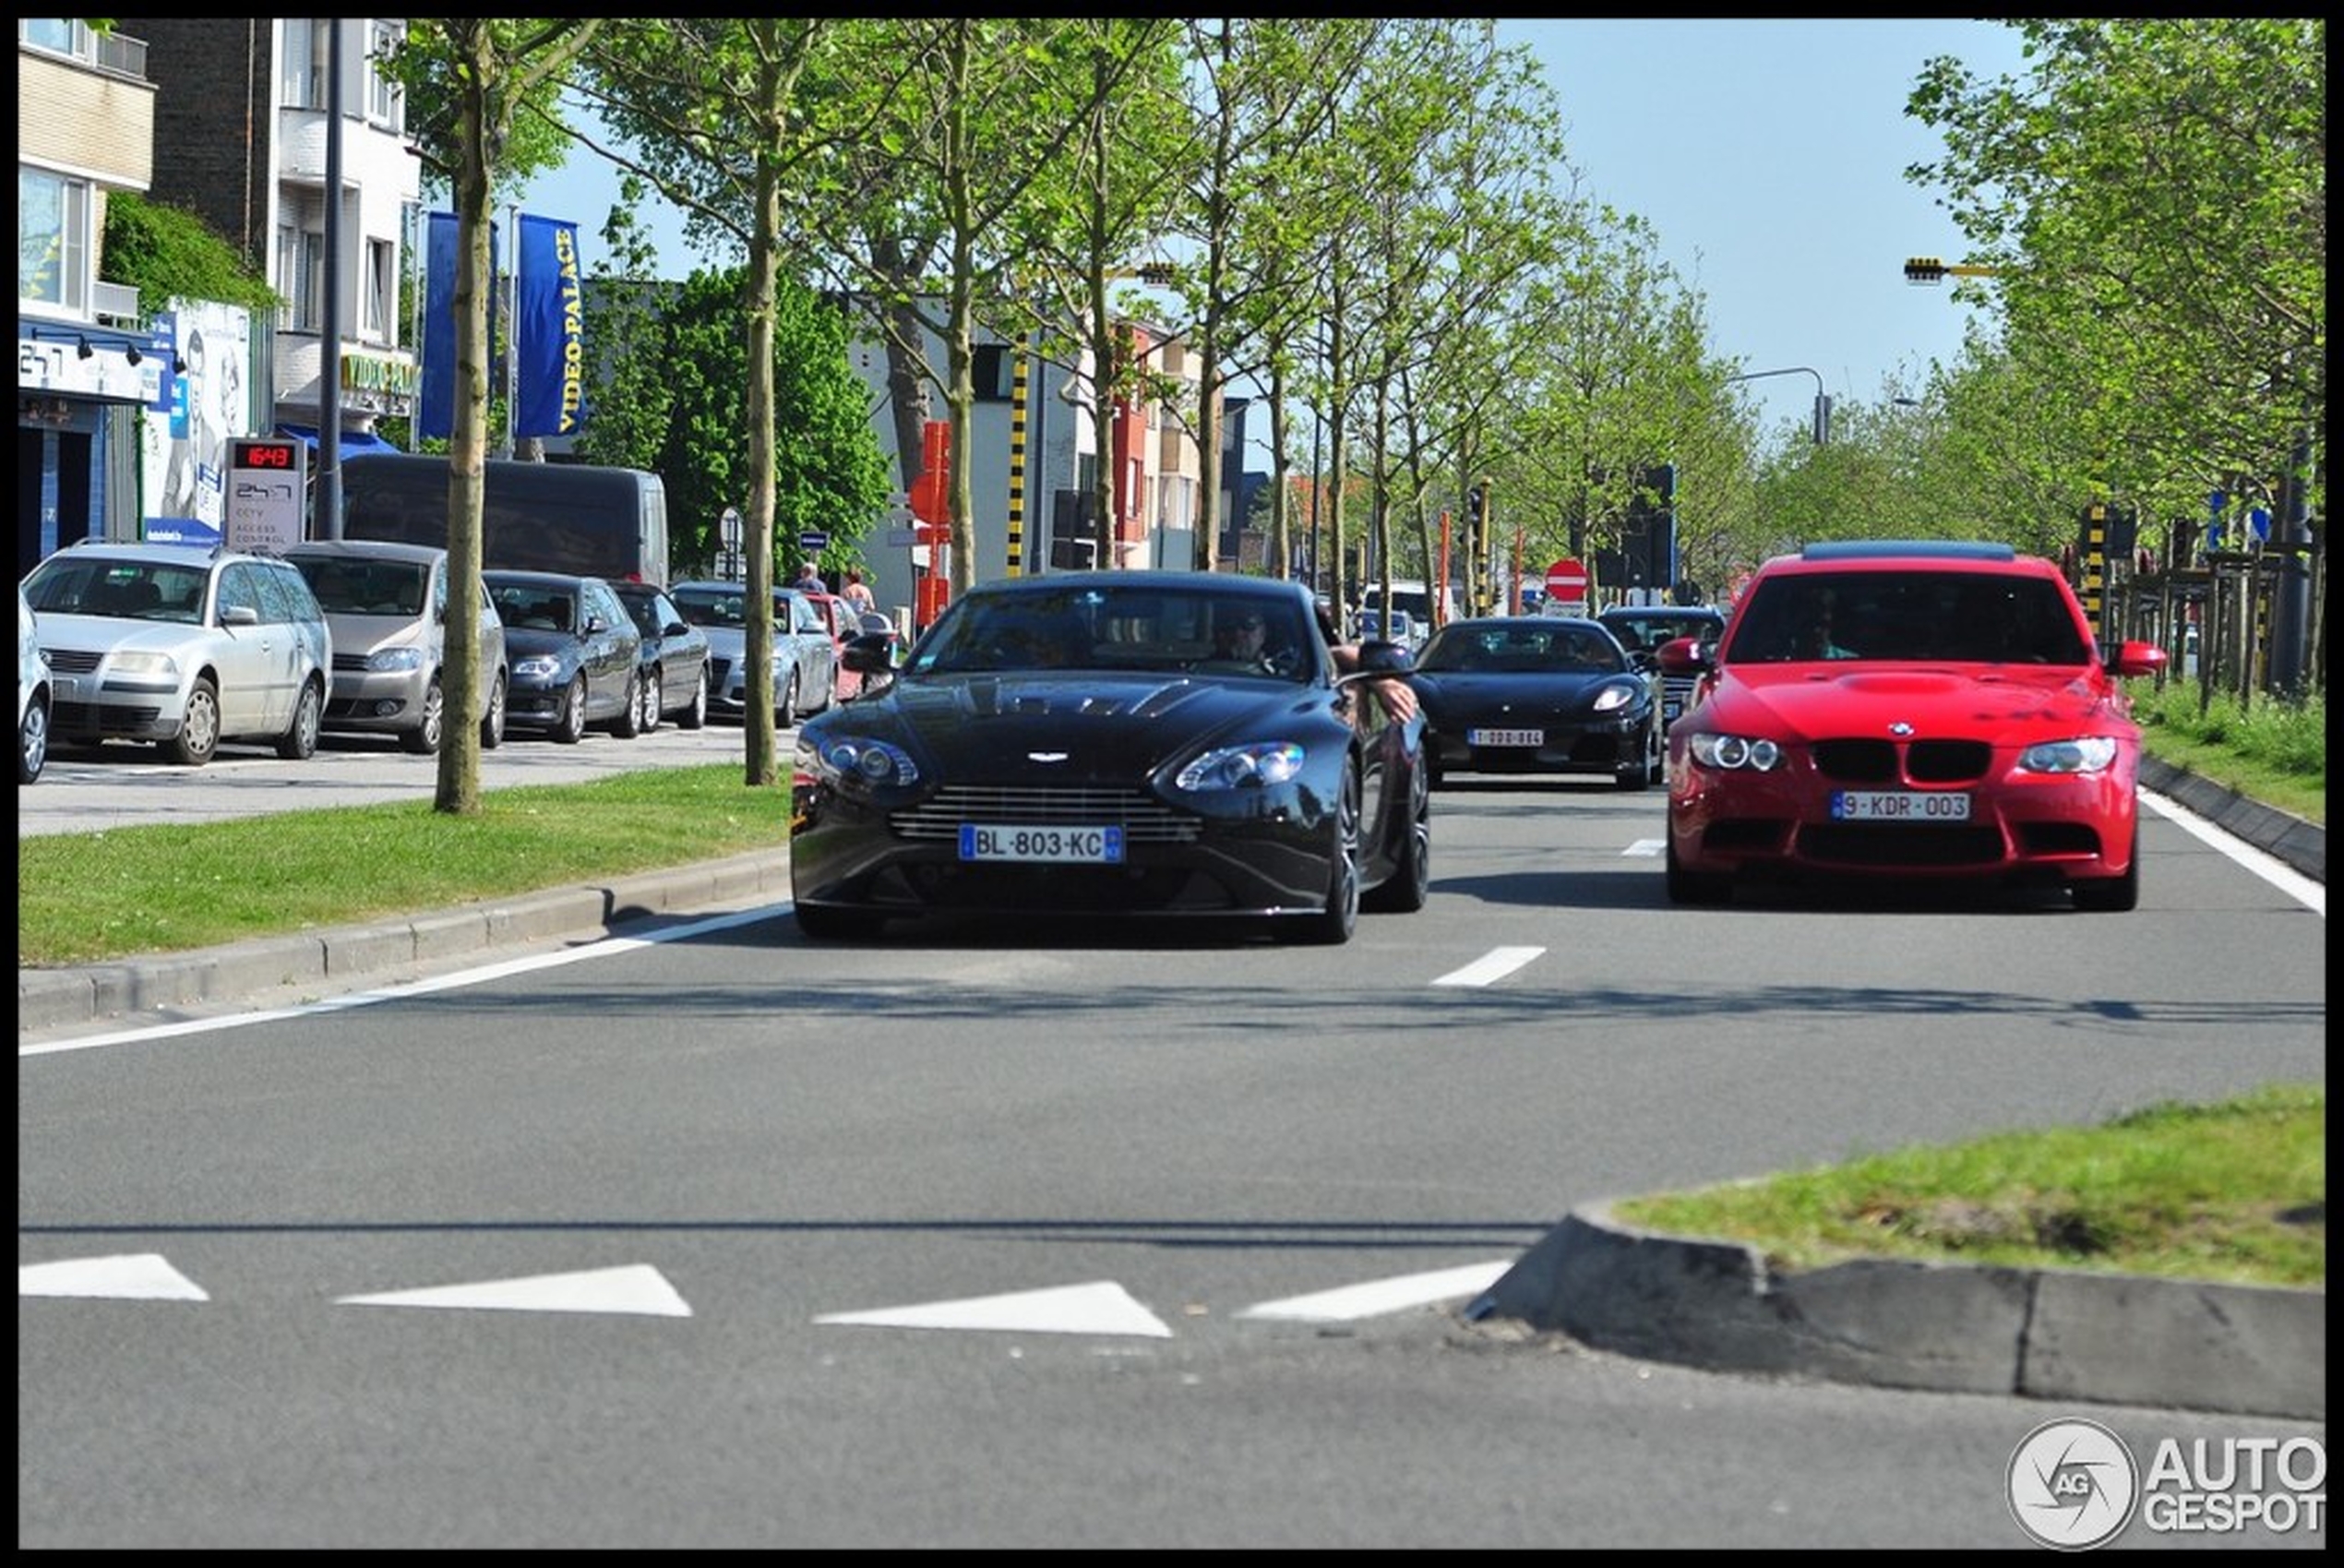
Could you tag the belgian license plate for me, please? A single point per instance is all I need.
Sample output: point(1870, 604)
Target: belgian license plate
point(1066, 846)
point(1505, 737)
point(1900, 806)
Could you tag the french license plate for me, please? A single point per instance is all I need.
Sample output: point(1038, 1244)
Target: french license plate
point(1505, 737)
point(1900, 806)
point(1069, 846)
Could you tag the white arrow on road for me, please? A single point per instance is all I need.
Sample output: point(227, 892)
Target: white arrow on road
point(130, 1276)
point(636, 1288)
point(1103, 1307)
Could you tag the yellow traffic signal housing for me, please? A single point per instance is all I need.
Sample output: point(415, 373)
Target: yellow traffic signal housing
point(1924, 269)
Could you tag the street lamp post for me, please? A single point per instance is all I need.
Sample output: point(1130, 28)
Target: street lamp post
point(1823, 402)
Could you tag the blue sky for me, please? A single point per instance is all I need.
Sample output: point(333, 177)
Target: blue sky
point(1769, 157)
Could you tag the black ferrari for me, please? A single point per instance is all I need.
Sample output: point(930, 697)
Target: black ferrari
point(1538, 694)
point(1163, 744)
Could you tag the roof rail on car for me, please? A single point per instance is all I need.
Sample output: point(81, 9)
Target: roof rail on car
point(1949, 549)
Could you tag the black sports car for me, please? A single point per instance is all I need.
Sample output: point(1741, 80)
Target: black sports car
point(1165, 743)
point(1538, 694)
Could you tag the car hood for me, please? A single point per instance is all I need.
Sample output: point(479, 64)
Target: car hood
point(1105, 726)
point(106, 634)
point(364, 634)
point(527, 641)
point(1810, 701)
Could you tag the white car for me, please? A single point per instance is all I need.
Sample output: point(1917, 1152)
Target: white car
point(181, 646)
point(32, 694)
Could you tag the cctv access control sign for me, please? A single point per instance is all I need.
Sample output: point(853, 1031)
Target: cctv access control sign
point(268, 493)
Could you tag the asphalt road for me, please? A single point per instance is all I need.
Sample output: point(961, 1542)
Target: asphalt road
point(1074, 1237)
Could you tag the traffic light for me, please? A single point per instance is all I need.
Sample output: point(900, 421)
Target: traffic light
point(1157, 272)
point(1924, 269)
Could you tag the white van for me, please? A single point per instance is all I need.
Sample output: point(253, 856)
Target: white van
point(1412, 596)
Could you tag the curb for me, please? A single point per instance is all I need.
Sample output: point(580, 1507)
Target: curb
point(246, 971)
point(2291, 840)
point(1950, 1328)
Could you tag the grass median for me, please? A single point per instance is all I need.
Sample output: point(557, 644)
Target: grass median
point(2235, 1191)
point(83, 898)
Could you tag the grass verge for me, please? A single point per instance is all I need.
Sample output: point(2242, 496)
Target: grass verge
point(2235, 1191)
point(2274, 751)
point(82, 898)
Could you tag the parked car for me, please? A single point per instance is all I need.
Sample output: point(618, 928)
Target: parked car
point(32, 694)
point(805, 655)
point(1908, 713)
point(1642, 628)
point(673, 660)
point(1536, 694)
point(576, 655)
point(183, 646)
point(1069, 744)
point(1398, 626)
point(845, 624)
point(388, 606)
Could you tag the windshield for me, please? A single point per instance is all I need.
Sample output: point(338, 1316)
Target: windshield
point(1526, 649)
point(143, 590)
point(1940, 618)
point(367, 588)
point(1131, 627)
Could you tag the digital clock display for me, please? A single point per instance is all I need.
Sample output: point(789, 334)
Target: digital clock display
point(267, 454)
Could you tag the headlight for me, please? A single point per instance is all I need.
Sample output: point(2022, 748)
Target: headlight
point(1729, 751)
point(140, 662)
point(874, 764)
point(1614, 697)
point(1238, 767)
point(538, 667)
point(2086, 754)
point(384, 660)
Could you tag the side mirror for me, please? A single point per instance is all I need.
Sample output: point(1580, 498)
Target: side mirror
point(1686, 656)
point(868, 655)
point(2138, 659)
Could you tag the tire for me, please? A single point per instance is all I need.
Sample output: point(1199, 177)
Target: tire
point(785, 704)
point(300, 740)
point(569, 725)
point(654, 693)
point(33, 741)
point(828, 922)
point(1691, 887)
point(198, 736)
point(695, 716)
point(492, 722)
point(628, 723)
point(425, 738)
point(2113, 896)
point(1333, 925)
point(1411, 881)
point(1640, 774)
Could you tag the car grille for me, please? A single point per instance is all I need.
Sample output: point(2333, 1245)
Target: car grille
point(351, 663)
point(1142, 818)
point(1924, 761)
point(1677, 690)
point(1902, 844)
point(72, 661)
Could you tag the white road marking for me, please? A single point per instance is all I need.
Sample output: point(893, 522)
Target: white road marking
point(1495, 965)
point(131, 1275)
point(1352, 1302)
point(637, 1289)
point(457, 981)
point(1102, 1307)
point(1645, 847)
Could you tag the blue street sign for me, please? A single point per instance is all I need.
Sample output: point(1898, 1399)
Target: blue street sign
point(2259, 519)
point(813, 543)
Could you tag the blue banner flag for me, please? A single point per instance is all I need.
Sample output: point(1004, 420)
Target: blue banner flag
point(436, 400)
point(549, 341)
